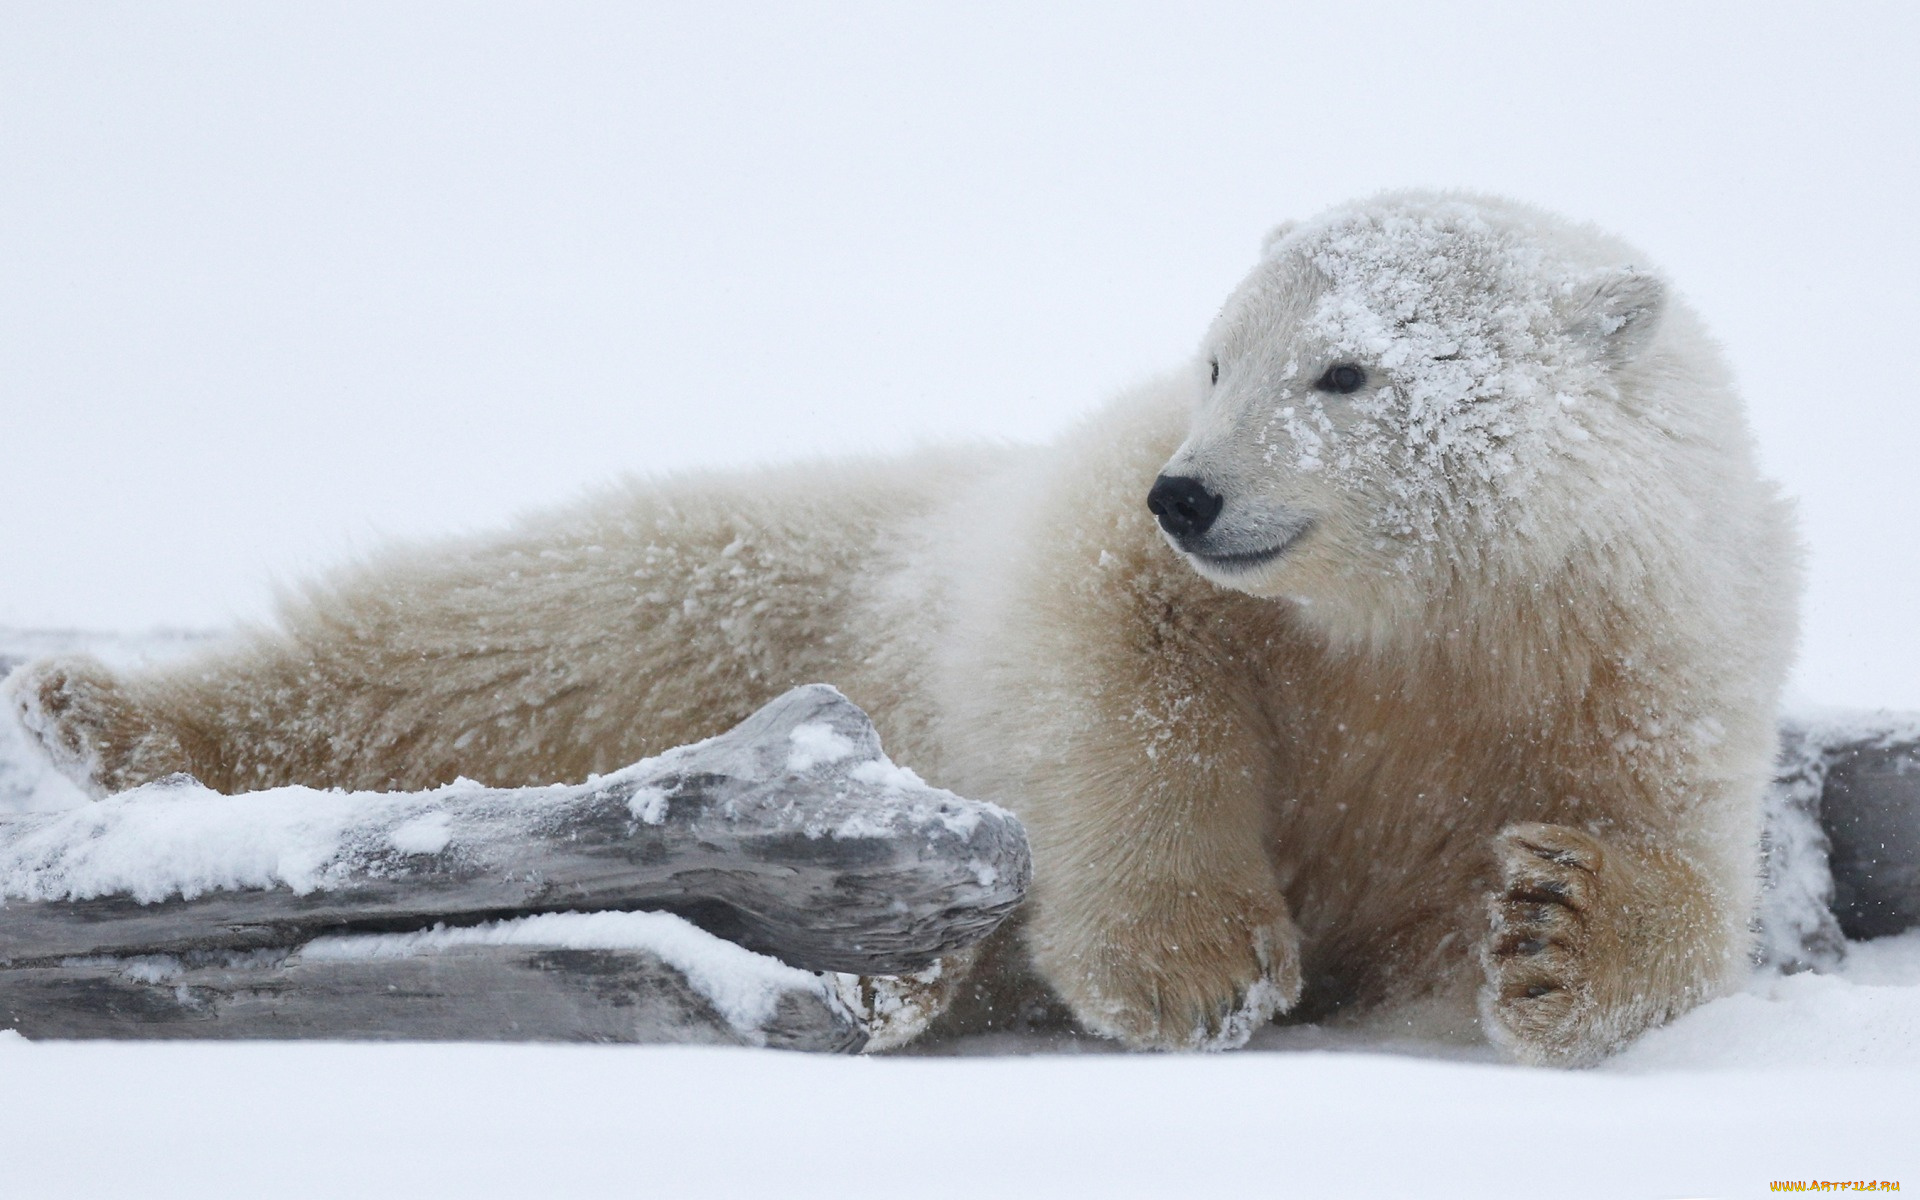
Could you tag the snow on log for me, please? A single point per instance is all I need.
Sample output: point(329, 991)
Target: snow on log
point(174, 911)
point(1797, 930)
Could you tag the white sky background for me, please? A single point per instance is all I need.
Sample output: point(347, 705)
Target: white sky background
point(278, 282)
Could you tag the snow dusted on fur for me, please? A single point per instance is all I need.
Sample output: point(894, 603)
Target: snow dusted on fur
point(745, 988)
point(1474, 343)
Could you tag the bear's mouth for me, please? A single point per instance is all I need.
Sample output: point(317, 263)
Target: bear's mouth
point(1234, 561)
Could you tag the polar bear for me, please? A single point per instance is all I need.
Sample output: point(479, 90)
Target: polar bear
point(1410, 655)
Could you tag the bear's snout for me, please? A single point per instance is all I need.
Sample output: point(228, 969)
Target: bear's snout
point(1183, 506)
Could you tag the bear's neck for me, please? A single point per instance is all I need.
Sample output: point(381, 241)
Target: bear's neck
point(1517, 648)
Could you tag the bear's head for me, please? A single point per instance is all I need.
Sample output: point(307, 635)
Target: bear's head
point(1407, 395)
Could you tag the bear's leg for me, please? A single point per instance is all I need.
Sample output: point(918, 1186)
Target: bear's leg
point(95, 732)
point(1593, 943)
point(1173, 963)
point(1156, 915)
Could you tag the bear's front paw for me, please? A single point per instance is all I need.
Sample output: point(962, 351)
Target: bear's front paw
point(1541, 1001)
point(1207, 986)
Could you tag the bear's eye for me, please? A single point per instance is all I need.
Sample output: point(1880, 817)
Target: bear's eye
point(1342, 378)
point(1216, 370)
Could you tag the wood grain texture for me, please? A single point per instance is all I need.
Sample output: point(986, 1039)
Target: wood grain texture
point(463, 993)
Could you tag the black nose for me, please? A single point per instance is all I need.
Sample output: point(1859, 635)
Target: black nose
point(1183, 505)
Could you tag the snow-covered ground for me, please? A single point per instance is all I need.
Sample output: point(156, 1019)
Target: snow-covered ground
point(281, 280)
point(1805, 1078)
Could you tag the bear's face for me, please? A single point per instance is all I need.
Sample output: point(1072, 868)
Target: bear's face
point(1384, 395)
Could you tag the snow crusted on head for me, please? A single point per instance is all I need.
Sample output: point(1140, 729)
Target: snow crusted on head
point(1467, 320)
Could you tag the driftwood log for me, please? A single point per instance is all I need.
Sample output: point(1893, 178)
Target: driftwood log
point(1842, 837)
point(171, 910)
point(1871, 814)
point(465, 993)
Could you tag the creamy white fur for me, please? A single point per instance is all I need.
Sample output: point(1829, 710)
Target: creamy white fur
point(1528, 646)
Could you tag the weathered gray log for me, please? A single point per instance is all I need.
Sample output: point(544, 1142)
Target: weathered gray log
point(791, 834)
point(1871, 810)
point(1843, 836)
point(455, 992)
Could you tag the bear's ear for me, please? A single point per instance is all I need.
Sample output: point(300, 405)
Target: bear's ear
point(1275, 234)
point(1616, 312)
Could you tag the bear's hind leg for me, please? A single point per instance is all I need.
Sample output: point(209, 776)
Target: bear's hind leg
point(1591, 944)
point(94, 731)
